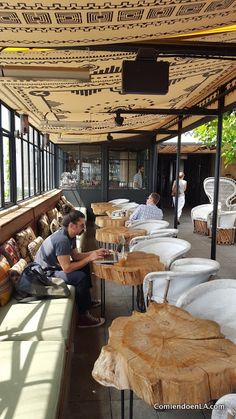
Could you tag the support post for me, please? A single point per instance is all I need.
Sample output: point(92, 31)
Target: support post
point(177, 170)
point(217, 175)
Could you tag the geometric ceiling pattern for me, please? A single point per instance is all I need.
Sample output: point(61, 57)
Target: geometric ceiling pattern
point(73, 111)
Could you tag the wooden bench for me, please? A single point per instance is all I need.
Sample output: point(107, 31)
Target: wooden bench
point(36, 339)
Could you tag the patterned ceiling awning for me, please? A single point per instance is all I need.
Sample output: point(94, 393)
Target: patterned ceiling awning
point(84, 111)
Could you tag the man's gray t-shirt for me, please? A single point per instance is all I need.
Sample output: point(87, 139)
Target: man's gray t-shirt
point(58, 244)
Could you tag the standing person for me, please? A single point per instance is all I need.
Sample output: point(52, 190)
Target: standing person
point(138, 178)
point(150, 211)
point(181, 195)
point(59, 257)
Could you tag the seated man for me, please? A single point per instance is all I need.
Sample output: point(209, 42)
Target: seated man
point(150, 211)
point(60, 258)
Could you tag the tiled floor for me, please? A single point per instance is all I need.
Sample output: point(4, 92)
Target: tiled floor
point(88, 399)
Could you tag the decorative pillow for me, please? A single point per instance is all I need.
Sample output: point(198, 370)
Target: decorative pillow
point(54, 226)
point(34, 246)
point(43, 225)
point(10, 250)
point(65, 201)
point(53, 214)
point(16, 270)
point(59, 218)
point(5, 283)
point(59, 205)
point(23, 238)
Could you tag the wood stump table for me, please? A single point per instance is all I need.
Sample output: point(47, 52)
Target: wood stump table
point(130, 272)
point(100, 208)
point(112, 235)
point(107, 221)
point(166, 356)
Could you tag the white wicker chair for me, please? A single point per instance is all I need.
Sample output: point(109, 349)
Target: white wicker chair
point(119, 201)
point(163, 232)
point(169, 285)
point(199, 216)
point(149, 225)
point(213, 300)
point(225, 226)
point(129, 206)
point(229, 411)
point(207, 267)
point(227, 192)
point(168, 248)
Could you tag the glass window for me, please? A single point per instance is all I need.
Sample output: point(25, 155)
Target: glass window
point(89, 167)
point(19, 187)
point(26, 168)
point(32, 177)
point(6, 118)
point(119, 169)
point(123, 166)
point(31, 134)
point(6, 170)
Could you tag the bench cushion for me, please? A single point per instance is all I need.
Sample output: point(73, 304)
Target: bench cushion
point(23, 238)
point(10, 250)
point(37, 320)
point(34, 246)
point(43, 226)
point(30, 379)
point(5, 283)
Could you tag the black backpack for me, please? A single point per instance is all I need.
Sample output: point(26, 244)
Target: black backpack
point(33, 284)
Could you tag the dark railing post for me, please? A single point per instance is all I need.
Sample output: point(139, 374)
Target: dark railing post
point(217, 175)
point(154, 166)
point(177, 170)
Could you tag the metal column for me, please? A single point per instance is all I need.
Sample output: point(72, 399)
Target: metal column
point(217, 175)
point(177, 171)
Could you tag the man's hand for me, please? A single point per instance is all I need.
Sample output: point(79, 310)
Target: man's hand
point(98, 254)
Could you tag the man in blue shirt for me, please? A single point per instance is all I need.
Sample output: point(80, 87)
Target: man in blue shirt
point(59, 257)
point(150, 211)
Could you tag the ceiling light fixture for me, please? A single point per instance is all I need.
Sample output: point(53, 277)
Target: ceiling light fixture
point(109, 137)
point(80, 74)
point(119, 119)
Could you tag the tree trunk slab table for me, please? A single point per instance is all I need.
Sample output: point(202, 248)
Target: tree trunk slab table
point(112, 235)
point(166, 356)
point(131, 271)
point(100, 208)
point(106, 221)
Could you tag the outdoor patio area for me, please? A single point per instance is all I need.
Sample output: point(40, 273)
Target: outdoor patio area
point(88, 399)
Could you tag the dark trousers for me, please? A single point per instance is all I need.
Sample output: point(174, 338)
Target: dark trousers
point(81, 280)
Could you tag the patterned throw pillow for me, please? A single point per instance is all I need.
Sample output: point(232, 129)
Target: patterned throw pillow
point(59, 205)
point(34, 246)
point(65, 201)
point(16, 270)
point(53, 214)
point(54, 226)
point(43, 226)
point(5, 283)
point(10, 250)
point(59, 218)
point(23, 238)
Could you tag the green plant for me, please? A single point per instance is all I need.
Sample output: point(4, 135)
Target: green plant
point(207, 134)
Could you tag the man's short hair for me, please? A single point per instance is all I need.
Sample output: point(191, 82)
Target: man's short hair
point(155, 197)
